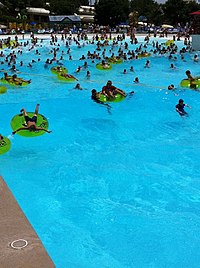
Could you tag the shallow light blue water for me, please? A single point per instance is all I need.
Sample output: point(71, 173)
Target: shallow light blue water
point(117, 189)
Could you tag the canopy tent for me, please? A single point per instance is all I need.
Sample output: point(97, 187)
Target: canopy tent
point(65, 19)
point(87, 18)
point(37, 11)
point(167, 26)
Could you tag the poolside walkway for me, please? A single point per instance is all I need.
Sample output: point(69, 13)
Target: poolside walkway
point(14, 226)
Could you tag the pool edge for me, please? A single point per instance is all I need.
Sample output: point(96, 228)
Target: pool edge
point(13, 226)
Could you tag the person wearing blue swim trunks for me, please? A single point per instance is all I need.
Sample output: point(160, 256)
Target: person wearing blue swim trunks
point(30, 122)
point(180, 107)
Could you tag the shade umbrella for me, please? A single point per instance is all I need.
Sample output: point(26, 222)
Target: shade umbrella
point(167, 26)
point(195, 13)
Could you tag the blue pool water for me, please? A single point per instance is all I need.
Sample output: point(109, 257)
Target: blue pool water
point(116, 188)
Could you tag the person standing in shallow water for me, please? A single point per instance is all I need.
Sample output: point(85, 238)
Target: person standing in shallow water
point(180, 107)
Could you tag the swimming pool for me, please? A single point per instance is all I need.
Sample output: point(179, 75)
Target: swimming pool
point(116, 188)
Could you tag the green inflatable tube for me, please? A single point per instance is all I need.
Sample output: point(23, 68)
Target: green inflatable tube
point(115, 61)
point(3, 89)
point(169, 42)
point(13, 83)
point(118, 97)
point(12, 42)
point(5, 145)
point(59, 69)
point(144, 55)
point(191, 84)
point(67, 79)
point(18, 121)
point(99, 66)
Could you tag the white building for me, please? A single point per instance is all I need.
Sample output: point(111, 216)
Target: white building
point(86, 13)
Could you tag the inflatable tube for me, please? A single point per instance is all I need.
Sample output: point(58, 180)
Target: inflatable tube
point(118, 97)
point(14, 83)
point(5, 145)
point(3, 89)
point(59, 69)
point(191, 84)
point(99, 66)
point(169, 42)
point(67, 79)
point(19, 121)
point(115, 61)
point(12, 43)
point(144, 55)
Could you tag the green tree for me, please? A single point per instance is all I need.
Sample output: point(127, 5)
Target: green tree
point(111, 12)
point(63, 7)
point(177, 11)
point(37, 3)
point(148, 8)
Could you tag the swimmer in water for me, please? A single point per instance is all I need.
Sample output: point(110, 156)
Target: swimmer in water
point(189, 75)
point(180, 107)
point(88, 74)
point(78, 86)
point(125, 71)
point(1, 137)
point(147, 64)
point(96, 98)
point(136, 80)
point(196, 59)
point(171, 87)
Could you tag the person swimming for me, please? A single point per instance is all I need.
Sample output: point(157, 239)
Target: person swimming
point(136, 80)
point(189, 75)
point(125, 71)
point(78, 86)
point(171, 87)
point(180, 107)
point(147, 64)
point(96, 98)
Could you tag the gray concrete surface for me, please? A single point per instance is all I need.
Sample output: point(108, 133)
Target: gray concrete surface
point(13, 226)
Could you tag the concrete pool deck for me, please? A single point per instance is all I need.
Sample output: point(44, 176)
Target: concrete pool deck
point(14, 226)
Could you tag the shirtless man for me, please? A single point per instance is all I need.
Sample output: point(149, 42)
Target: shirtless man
point(190, 77)
point(110, 91)
point(31, 122)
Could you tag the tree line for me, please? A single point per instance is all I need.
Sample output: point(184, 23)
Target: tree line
point(172, 12)
point(108, 12)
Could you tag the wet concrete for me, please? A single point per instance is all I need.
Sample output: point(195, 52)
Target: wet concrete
point(14, 226)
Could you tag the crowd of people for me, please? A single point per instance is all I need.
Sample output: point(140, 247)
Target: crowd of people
point(104, 52)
